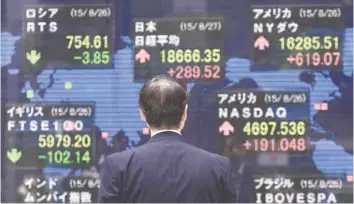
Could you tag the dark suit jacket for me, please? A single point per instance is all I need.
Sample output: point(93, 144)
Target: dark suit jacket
point(166, 169)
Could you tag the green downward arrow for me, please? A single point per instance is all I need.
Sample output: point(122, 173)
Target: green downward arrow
point(14, 155)
point(33, 56)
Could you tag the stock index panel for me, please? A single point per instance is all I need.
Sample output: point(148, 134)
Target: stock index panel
point(62, 134)
point(297, 36)
point(80, 34)
point(270, 87)
point(189, 49)
point(49, 135)
point(272, 125)
point(272, 121)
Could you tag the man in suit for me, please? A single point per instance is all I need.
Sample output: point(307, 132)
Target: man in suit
point(166, 168)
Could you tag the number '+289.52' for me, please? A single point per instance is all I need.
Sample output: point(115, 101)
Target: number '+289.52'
point(196, 72)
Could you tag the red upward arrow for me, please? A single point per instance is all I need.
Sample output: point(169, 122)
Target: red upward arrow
point(226, 128)
point(261, 43)
point(142, 56)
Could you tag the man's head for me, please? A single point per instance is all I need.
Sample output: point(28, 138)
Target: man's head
point(163, 103)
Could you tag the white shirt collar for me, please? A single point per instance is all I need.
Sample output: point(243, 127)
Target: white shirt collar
point(160, 131)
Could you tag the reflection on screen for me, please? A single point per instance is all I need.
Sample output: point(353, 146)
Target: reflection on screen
point(271, 88)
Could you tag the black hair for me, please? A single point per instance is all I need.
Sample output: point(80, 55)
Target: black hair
point(162, 100)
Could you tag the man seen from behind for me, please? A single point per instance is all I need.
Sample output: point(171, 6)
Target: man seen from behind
point(166, 168)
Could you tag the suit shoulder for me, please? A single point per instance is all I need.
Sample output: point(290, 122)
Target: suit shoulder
point(207, 160)
point(219, 159)
point(120, 157)
point(120, 154)
point(127, 154)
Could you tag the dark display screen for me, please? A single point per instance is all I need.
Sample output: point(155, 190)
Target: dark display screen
point(270, 87)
